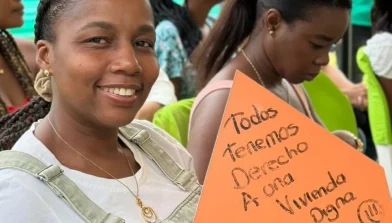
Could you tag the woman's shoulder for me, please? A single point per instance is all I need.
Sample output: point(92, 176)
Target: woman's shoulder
point(216, 86)
point(154, 131)
point(21, 191)
point(380, 39)
point(379, 51)
point(165, 141)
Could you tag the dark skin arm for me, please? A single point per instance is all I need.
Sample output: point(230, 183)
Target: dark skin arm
point(204, 129)
point(177, 86)
point(387, 87)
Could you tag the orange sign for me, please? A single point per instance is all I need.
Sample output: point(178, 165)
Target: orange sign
point(271, 164)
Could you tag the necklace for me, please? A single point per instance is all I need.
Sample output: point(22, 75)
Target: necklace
point(261, 80)
point(148, 213)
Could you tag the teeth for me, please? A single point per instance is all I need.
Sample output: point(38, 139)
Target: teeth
point(120, 91)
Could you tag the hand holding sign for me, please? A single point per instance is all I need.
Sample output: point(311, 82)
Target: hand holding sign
point(272, 164)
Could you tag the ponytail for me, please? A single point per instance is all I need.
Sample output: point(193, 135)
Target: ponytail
point(236, 22)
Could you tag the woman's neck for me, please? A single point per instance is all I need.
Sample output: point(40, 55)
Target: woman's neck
point(199, 11)
point(256, 52)
point(62, 131)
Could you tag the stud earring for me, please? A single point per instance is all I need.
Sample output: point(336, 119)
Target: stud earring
point(47, 73)
point(270, 31)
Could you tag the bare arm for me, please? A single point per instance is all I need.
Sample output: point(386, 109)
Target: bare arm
point(356, 93)
point(162, 93)
point(204, 130)
point(387, 87)
point(177, 86)
point(337, 77)
point(148, 111)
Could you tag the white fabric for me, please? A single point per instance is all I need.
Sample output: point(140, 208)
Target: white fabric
point(23, 198)
point(379, 50)
point(162, 91)
point(384, 153)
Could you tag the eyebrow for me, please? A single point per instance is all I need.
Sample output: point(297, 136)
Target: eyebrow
point(108, 26)
point(102, 25)
point(324, 37)
point(146, 29)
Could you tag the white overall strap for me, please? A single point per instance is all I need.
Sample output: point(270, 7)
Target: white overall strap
point(183, 178)
point(60, 184)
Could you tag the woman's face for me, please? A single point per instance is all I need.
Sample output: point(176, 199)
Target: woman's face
point(298, 50)
point(102, 60)
point(11, 14)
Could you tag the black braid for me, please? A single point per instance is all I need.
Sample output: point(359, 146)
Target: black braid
point(48, 13)
point(40, 26)
point(12, 127)
point(17, 63)
point(190, 34)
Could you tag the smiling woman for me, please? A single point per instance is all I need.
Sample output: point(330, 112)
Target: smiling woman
point(77, 138)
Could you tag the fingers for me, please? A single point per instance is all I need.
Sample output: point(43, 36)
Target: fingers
point(360, 103)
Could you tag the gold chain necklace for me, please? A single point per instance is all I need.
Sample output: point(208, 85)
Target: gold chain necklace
point(261, 80)
point(148, 213)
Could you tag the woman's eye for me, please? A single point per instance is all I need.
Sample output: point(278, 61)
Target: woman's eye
point(98, 40)
point(144, 44)
point(315, 46)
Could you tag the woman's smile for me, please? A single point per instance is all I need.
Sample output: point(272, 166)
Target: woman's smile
point(121, 94)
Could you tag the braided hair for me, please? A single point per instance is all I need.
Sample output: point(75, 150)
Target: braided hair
point(190, 34)
point(16, 62)
point(12, 127)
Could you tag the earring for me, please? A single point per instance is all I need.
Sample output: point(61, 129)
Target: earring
point(43, 86)
point(46, 73)
point(270, 31)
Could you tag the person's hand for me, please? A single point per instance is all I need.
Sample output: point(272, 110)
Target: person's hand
point(350, 139)
point(357, 94)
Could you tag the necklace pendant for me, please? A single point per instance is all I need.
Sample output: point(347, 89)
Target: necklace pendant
point(148, 213)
